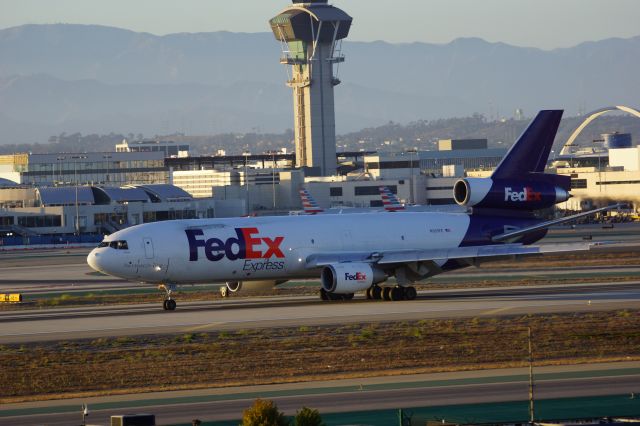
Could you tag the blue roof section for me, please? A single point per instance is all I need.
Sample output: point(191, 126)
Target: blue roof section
point(124, 195)
point(165, 192)
point(65, 195)
point(8, 183)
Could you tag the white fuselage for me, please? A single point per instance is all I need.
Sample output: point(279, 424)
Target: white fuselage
point(264, 248)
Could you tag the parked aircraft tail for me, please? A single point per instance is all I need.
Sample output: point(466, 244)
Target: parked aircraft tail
point(390, 200)
point(309, 204)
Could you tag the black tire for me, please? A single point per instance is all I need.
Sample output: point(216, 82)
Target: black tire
point(164, 305)
point(410, 293)
point(386, 293)
point(323, 294)
point(369, 293)
point(397, 293)
point(171, 305)
point(376, 293)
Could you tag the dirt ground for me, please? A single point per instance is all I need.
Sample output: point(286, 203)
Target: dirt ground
point(164, 362)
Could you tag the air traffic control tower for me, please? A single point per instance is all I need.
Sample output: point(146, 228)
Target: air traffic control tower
point(311, 32)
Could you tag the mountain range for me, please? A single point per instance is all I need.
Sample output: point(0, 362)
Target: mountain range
point(93, 79)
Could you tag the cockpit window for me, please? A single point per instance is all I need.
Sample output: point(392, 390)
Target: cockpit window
point(118, 245)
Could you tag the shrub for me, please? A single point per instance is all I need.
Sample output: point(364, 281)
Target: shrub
point(263, 413)
point(308, 417)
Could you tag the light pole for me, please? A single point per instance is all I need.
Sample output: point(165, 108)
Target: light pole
point(60, 178)
point(246, 178)
point(273, 179)
point(411, 190)
point(107, 159)
point(75, 178)
point(531, 384)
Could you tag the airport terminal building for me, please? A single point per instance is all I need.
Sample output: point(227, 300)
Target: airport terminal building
point(89, 168)
point(38, 215)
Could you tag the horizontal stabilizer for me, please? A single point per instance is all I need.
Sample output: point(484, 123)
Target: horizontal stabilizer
point(544, 225)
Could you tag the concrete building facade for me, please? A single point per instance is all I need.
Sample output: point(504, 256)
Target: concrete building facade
point(91, 168)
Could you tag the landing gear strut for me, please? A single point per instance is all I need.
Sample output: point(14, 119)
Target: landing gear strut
point(169, 304)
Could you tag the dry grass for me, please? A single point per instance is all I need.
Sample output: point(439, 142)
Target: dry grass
point(126, 364)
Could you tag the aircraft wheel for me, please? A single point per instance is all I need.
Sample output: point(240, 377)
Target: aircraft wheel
point(369, 293)
point(397, 293)
point(386, 293)
point(164, 305)
point(376, 292)
point(410, 293)
point(171, 305)
point(323, 294)
point(224, 291)
point(348, 296)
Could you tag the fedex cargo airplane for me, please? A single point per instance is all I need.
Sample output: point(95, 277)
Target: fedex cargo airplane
point(355, 252)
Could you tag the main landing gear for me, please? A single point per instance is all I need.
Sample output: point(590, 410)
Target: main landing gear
point(169, 304)
point(377, 293)
point(391, 293)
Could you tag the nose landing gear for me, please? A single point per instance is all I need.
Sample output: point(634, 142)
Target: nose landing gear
point(169, 304)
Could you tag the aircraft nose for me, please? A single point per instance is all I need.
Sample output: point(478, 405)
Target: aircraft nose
point(94, 259)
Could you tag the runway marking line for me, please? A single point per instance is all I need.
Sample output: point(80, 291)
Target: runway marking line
point(497, 311)
point(203, 327)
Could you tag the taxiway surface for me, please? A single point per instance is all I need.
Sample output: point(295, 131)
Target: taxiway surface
point(234, 314)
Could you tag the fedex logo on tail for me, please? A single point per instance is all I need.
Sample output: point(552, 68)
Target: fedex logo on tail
point(358, 276)
point(527, 194)
point(247, 244)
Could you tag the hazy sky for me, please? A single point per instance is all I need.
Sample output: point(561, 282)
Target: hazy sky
point(539, 23)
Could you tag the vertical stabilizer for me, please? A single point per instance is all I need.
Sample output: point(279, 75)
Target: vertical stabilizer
point(309, 204)
point(531, 151)
point(389, 200)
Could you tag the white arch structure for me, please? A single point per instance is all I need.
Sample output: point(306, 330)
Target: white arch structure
point(592, 116)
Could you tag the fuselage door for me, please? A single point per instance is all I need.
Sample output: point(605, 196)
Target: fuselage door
point(148, 248)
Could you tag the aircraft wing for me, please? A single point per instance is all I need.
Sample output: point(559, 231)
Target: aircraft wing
point(472, 254)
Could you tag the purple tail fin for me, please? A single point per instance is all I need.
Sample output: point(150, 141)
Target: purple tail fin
point(531, 151)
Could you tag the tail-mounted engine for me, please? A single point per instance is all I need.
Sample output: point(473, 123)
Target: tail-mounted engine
point(344, 278)
point(518, 195)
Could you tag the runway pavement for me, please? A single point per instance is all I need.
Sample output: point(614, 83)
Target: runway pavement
point(235, 314)
point(340, 396)
point(34, 279)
